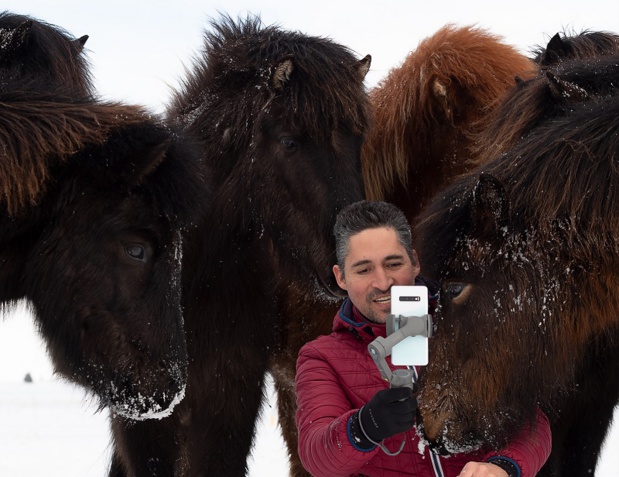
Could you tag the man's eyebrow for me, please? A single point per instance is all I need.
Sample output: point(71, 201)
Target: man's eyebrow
point(360, 262)
point(395, 256)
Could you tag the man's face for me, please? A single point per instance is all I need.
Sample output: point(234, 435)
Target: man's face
point(376, 261)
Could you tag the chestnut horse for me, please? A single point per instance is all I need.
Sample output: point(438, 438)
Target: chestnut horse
point(525, 246)
point(427, 113)
point(425, 116)
point(280, 117)
point(92, 202)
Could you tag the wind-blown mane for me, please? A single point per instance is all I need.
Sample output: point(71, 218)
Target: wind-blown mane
point(426, 111)
point(568, 80)
point(48, 110)
point(234, 59)
point(39, 131)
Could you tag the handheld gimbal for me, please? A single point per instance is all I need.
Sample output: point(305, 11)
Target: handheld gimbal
point(398, 328)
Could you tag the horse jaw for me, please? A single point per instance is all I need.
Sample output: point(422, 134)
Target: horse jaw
point(143, 408)
point(440, 427)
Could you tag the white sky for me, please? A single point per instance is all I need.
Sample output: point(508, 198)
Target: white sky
point(139, 48)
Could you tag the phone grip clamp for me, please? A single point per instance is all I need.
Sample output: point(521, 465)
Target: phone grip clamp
point(398, 328)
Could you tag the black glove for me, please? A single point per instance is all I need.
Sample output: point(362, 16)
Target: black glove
point(391, 411)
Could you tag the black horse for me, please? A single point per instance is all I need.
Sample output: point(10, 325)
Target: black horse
point(525, 251)
point(93, 198)
point(280, 117)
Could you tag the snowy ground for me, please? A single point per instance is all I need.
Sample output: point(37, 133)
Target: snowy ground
point(49, 427)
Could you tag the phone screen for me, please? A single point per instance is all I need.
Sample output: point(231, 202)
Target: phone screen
point(410, 301)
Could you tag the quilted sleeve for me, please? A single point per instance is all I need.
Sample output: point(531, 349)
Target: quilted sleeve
point(323, 412)
point(530, 448)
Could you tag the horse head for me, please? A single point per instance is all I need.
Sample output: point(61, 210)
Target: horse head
point(282, 117)
point(102, 264)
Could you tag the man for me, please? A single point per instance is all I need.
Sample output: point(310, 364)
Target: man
point(350, 422)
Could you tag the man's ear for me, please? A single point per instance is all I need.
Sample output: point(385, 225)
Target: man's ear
point(415, 264)
point(339, 277)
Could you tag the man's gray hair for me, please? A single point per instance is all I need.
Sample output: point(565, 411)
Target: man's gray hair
point(365, 215)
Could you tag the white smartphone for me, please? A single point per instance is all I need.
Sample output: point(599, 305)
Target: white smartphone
point(410, 301)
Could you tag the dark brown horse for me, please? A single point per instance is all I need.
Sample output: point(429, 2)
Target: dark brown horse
point(425, 117)
point(280, 117)
point(526, 249)
point(93, 199)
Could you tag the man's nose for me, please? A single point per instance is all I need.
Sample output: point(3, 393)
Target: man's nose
point(382, 280)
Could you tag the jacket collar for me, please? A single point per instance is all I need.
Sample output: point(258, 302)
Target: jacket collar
point(351, 319)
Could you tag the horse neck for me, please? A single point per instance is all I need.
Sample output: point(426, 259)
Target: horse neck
point(227, 240)
point(17, 236)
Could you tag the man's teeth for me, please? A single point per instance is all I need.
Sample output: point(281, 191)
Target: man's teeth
point(383, 300)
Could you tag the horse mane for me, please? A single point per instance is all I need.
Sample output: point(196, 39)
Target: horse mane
point(451, 79)
point(570, 46)
point(554, 92)
point(43, 51)
point(567, 173)
point(555, 180)
point(40, 131)
point(300, 78)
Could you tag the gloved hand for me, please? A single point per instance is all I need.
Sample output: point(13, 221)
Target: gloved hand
point(391, 411)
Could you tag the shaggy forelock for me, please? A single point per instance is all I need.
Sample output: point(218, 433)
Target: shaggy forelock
point(323, 92)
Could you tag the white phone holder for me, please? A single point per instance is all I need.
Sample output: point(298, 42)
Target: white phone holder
point(380, 348)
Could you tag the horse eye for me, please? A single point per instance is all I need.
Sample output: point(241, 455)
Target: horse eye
point(289, 143)
point(135, 251)
point(452, 290)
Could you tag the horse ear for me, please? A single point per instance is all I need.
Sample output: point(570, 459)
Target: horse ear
point(145, 161)
point(282, 74)
point(555, 50)
point(14, 40)
point(364, 65)
point(564, 89)
point(440, 92)
point(81, 41)
point(489, 207)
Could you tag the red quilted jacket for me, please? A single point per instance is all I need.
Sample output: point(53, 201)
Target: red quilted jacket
point(336, 376)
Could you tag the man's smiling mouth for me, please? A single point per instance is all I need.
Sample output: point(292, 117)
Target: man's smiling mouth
point(382, 299)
